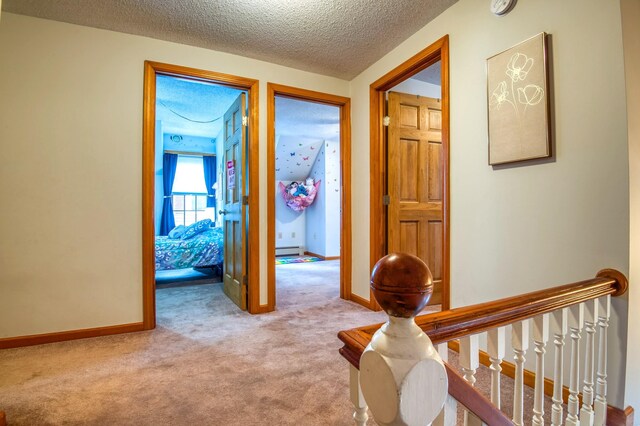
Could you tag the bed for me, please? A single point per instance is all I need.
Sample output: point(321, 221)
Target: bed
point(202, 250)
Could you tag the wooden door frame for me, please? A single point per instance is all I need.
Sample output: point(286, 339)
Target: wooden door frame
point(344, 104)
point(151, 70)
point(378, 155)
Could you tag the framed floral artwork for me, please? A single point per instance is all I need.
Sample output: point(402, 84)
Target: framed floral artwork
point(518, 102)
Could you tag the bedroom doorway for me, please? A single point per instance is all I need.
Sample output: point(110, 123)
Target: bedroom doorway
point(195, 217)
point(308, 195)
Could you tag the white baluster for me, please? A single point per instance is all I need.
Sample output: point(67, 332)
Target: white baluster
point(540, 338)
point(520, 343)
point(575, 319)
point(558, 321)
point(360, 407)
point(600, 404)
point(447, 416)
point(469, 362)
point(590, 319)
point(496, 350)
point(469, 357)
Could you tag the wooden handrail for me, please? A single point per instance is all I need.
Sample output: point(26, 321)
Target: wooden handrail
point(452, 324)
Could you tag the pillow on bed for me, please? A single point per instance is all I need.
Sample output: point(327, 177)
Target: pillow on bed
point(196, 228)
point(177, 232)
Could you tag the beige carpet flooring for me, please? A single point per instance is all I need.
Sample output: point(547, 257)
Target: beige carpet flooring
point(207, 363)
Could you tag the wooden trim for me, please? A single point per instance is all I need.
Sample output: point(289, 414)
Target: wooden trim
point(378, 155)
point(615, 416)
point(271, 206)
point(473, 400)
point(253, 249)
point(62, 336)
point(344, 104)
point(151, 69)
point(310, 253)
point(446, 153)
point(3, 419)
point(148, 198)
point(360, 300)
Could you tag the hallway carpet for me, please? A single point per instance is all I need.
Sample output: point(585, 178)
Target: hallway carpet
point(207, 363)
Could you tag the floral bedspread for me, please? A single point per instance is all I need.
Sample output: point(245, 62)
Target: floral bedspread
point(204, 249)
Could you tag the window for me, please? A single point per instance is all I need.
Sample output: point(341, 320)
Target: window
point(189, 192)
point(189, 208)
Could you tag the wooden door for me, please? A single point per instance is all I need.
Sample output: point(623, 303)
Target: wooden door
point(234, 212)
point(415, 184)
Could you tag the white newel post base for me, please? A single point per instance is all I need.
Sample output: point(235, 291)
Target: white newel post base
point(402, 376)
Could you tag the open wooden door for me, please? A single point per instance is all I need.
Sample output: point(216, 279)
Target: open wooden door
point(234, 212)
point(415, 185)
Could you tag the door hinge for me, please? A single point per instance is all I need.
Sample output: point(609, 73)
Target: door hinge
point(245, 120)
point(386, 120)
point(245, 280)
point(386, 200)
point(245, 200)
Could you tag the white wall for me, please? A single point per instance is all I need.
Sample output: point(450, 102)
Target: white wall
point(417, 87)
point(333, 187)
point(323, 216)
point(522, 228)
point(71, 117)
point(290, 225)
point(317, 212)
point(631, 35)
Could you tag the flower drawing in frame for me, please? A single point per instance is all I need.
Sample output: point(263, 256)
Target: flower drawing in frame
point(518, 107)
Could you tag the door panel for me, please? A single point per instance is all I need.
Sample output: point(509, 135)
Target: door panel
point(235, 225)
point(414, 163)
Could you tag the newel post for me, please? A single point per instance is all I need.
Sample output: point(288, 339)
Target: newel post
point(402, 376)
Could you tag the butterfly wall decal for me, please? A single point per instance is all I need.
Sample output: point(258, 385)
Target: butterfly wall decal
point(292, 154)
point(305, 158)
point(312, 148)
point(298, 164)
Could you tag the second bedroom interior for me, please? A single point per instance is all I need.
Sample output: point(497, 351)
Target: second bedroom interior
point(308, 194)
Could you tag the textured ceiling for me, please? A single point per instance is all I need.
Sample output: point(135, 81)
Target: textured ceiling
point(339, 38)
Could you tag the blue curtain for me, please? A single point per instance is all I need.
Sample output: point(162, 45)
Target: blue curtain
point(169, 163)
point(209, 164)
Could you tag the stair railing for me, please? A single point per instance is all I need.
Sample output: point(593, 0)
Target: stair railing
point(398, 374)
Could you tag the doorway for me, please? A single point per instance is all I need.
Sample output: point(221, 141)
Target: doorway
point(238, 243)
point(314, 166)
point(410, 164)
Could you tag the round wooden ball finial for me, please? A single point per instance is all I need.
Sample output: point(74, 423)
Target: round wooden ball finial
point(402, 284)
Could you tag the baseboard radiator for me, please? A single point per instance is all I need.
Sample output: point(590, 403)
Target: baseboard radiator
point(290, 250)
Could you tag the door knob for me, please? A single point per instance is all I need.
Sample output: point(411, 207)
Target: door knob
point(222, 212)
